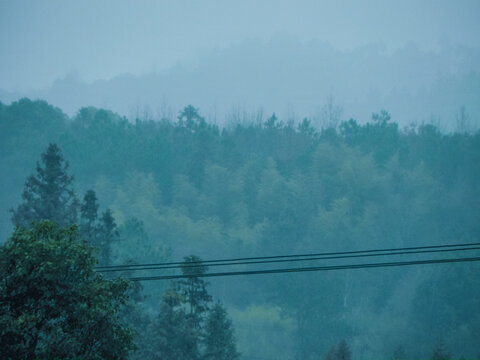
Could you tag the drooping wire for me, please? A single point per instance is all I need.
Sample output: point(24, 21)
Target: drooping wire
point(307, 269)
point(188, 265)
point(294, 258)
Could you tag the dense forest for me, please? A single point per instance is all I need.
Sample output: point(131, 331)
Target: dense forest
point(184, 189)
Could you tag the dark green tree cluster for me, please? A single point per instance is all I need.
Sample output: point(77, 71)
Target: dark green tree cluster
point(53, 305)
point(40, 318)
point(49, 195)
point(100, 232)
point(189, 326)
point(268, 186)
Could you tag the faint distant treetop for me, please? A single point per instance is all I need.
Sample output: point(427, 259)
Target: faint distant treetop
point(272, 122)
point(382, 118)
point(462, 121)
point(190, 118)
point(48, 194)
point(331, 113)
point(306, 128)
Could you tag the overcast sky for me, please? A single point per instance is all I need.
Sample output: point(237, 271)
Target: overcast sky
point(44, 40)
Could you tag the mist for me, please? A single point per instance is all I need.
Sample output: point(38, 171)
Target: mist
point(212, 180)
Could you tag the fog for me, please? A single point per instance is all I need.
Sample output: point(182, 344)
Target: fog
point(418, 60)
point(211, 180)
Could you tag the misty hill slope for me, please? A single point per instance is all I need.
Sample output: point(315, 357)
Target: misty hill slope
point(275, 188)
point(288, 76)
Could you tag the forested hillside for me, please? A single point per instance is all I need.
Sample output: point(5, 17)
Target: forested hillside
point(183, 186)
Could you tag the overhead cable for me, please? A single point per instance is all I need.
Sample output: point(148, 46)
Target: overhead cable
point(307, 269)
point(287, 258)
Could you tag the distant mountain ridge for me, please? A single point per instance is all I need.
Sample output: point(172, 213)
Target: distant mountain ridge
point(293, 79)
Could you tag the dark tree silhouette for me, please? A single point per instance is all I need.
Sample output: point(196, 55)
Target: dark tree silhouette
point(53, 304)
point(48, 194)
point(88, 217)
point(219, 337)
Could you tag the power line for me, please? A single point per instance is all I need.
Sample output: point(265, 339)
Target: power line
point(207, 262)
point(308, 269)
point(189, 265)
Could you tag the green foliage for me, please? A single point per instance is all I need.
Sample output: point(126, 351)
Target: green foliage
point(272, 123)
point(219, 337)
point(37, 121)
point(306, 128)
point(48, 195)
point(89, 228)
point(268, 187)
point(52, 302)
point(264, 330)
point(186, 327)
point(89, 207)
point(173, 334)
point(108, 234)
point(190, 118)
point(193, 290)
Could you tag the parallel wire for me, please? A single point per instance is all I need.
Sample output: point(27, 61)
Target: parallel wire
point(287, 258)
point(206, 262)
point(307, 269)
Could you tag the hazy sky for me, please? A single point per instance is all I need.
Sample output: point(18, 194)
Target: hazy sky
point(44, 40)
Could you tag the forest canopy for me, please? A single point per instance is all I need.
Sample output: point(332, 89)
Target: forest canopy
point(172, 187)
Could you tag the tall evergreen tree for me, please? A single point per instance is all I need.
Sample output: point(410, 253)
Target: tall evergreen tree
point(190, 118)
point(184, 309)
point(48, 194)
point(219, 337)
point(174, 338)
point(187, 328)
point(108, 234)
point(88, 217)
point(194, 290)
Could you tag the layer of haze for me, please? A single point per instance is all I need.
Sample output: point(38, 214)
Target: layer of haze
point(219, 55)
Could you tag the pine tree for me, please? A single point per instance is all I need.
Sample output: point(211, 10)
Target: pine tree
point(108, 234)
point(190, 118)
point(89, 227)
point(194, 290)
point(174, 338)
point(186, 327)
point(184, 309)
point(219, 337)
point(48, 194)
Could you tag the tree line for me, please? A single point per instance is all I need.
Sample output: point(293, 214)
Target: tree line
point(184, 185)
